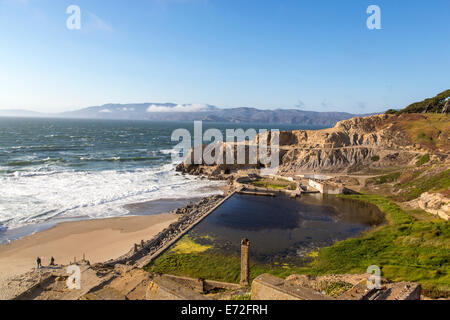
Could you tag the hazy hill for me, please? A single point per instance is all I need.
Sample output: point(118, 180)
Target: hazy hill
point(191, 112)
point(173, 112)
point(21, 113)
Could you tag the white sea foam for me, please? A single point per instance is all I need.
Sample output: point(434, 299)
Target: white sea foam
point(32, 198)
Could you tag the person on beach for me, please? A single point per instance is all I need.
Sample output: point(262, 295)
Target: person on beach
point(52, 261)
point(38, 263)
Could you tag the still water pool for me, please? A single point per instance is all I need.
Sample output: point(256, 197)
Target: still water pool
point(281, 229)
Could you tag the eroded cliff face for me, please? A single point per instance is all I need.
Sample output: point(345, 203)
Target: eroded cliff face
point(358, 144)
point(352, 145)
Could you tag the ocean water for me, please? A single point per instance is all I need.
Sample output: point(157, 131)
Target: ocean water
point(56, 169)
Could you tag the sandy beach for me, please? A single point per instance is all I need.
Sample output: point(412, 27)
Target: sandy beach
point(99, 240)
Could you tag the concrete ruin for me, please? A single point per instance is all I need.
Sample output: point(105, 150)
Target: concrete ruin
point(245, 262)
point(326, 187)
point(269, 287)
point(124, 282)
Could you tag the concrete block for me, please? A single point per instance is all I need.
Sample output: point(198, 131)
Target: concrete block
point(269, 287)
point(161, 288)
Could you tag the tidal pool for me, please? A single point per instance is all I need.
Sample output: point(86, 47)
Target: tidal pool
point(283, 230)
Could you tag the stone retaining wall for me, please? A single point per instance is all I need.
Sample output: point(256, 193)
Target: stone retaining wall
point(192, 214)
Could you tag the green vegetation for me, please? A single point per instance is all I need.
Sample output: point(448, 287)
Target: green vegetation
point(392, 111)
point(406, 249)
point(423, 160)
point(430, 130)
point(411, 190)
point(392, 177)
point(335, 289)
point(277, 184)
point(434, 105)
point(245, 297)
point(375, 158)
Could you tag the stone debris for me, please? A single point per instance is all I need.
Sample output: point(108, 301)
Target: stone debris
point(304, 287)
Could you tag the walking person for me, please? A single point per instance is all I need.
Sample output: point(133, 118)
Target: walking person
point(38, 263)
point(52, 261)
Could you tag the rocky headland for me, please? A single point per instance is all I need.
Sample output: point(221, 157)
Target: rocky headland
point(357, 145)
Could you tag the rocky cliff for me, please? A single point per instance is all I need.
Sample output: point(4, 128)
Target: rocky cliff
point(355, 145)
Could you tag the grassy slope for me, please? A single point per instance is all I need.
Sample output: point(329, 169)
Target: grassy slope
point(429, 130)
point(405, 249)
point(410, 184)
point(276, 184)
point(410, 190)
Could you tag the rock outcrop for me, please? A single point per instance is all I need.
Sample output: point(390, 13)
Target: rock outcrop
point(358, 144)
point(435, 203)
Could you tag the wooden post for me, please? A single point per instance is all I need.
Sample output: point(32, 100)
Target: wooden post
point(245, 262)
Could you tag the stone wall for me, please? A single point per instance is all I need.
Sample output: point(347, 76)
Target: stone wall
point(269, 287)
point(189, 216)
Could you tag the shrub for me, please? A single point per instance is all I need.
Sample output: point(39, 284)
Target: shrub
point(423, 159)
point(391, 111)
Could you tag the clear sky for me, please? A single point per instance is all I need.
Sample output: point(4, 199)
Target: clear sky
point(313, 55)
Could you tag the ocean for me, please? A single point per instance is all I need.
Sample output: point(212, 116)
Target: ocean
point(54, 170)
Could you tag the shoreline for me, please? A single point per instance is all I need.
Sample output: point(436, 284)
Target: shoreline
point(99, 240)
point(136, 209)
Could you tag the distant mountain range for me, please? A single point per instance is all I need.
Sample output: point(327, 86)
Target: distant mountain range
point(191, 112)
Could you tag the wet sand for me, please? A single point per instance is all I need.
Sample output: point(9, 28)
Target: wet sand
point(99, 240)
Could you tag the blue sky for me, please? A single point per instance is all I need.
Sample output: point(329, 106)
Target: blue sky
point(314, 55)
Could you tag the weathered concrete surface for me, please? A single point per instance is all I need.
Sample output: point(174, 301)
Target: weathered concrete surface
point(201, 285)
point(53, 286)
point(354, 287)
point(105, 294)
point(161, 288)
point(388, 291)
point(326, 187)
point(269, 287)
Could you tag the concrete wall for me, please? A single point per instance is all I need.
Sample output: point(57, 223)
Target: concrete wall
point(161, 288)
point(269, 287)
point(326, 188)
point(316, 185)
point(314, 176)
